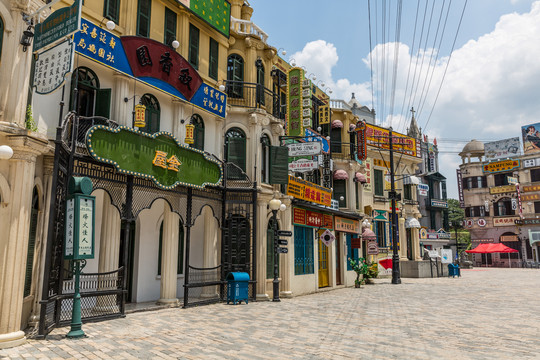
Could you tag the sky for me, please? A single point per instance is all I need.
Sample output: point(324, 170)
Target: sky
point(470, 68)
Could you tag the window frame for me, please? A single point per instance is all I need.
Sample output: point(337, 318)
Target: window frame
point(378, 182)
point(304, 259)
point(340, 189)
point(265, 158)
point(147, 16)
point(152, 107)
point(235, 75)
point(213, 59)
point(194, 42)
point(170, 15)
point(108, 10)
point(351, 253)
point(198, 132)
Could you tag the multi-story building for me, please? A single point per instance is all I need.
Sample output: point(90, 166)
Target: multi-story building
point(499, 196)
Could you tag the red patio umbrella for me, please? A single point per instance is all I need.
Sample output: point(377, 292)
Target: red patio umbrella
point(492, 248)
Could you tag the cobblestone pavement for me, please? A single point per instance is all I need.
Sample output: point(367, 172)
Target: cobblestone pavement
point(485, 314)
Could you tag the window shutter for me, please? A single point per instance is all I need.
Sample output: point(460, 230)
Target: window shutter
point(103, 103)
point(339, 191)
point(378, 179)
point(236, 151)
point(160, 248)
point(213, 59)
point(30, 252)
point(279, 165)
point(180, 269)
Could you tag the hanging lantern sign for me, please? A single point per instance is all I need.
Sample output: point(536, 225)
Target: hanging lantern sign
point(140, 121)
point(189, 134)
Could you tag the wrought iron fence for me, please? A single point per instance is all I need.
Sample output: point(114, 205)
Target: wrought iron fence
point(254, 96)
point(204, 285)
point(84, 124)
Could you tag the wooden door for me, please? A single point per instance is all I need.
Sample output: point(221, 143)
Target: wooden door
point(338, 260)
point(323, 262)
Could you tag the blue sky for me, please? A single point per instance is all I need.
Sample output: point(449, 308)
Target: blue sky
point(488, 87)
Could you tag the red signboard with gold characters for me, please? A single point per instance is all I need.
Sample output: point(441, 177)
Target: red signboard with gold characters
point(308, 191)
point(312, 218)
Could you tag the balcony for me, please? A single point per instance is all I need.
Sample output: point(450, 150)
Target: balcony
point(343, 151)
point(253, 96)
point(248, 27)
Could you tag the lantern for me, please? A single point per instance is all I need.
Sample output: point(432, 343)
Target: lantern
point(140, 121)
point(189, 133)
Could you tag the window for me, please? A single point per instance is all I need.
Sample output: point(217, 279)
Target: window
point(170, 27)
point(31, 243)
point(151, 114)
point(213, 59)
point(1, 35)
point(535, 175)
point(143, 18)
point(260, 81)
point(380, 233)
point(198, 132)
point(351, 253)
point(407, 192)
point(92, 101)
point(537, 207)
point(235, 76)
point(474, 182)
point(340, 190)
point(503, 207)
point(235, 150)
point(303, 250)
point(378, 182)
point(270, 250)
point(111, 10)
point(502, 179)
point(265, 159)
point(476, 211)
point(335, 140)
point(180, 265)
point(193, 55)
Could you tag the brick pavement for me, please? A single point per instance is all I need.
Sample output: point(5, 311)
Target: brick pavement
point(486, 314)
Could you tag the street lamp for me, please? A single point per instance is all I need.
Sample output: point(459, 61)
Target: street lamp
point(275, 205)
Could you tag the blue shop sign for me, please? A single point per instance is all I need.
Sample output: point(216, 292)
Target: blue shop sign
point(314, 136)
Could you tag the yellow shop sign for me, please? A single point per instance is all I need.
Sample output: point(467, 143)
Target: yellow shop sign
point(499, 166)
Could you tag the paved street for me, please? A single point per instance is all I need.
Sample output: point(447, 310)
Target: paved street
point(486, 314)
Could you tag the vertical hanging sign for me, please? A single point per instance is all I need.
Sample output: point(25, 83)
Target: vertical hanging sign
point(294, 102)
point(80, 221)
point(460, 189)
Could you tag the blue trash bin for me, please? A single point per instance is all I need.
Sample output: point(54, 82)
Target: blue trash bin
point(237, 287)
point(453, 270)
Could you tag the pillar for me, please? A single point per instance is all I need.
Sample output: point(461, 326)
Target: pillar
point(262, 225)
point(169, 257)
point(122, 112)
point(210, 250)
point(402, 239)
point(14, 242)
point(109, 249)
point(416, 244)
point(287, 260)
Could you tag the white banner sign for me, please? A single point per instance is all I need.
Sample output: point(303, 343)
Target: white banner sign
point(52, 66)
point(446, 256)
point(303, 165)
point(502, 148)
point(307, 148)
point(423, 189)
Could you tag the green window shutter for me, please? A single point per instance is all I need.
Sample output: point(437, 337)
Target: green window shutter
point(30, 252)
point(170, 26)
point(213, 59)
point(199, 138)
point(103, 103)
point(193, 46)
point(159, 249)
point(143, 17)
point(111, 10)
point(236, 151)
point(279, 165)
point(340, 189)
point(378, 181)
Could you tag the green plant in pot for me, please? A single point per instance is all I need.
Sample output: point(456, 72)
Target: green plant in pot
point(372, 272)
point(360, 268)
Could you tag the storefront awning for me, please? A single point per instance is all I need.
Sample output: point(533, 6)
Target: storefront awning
point(412, 223)
point(341, 175)
point(359, 177)
point(311, 206)
point(337, 124)
point(368, 234)
point(411, 180)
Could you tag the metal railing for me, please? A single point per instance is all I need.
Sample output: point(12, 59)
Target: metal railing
point(84, 124)
point(254, 96)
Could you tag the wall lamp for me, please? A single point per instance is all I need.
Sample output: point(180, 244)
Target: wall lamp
point(109, 24)
point(328, 90)
point(293, 62)
point(175, 44)
point(283, 52)
point(321, 82)
point(26, 39)
point(6, 152)
point(312, 78)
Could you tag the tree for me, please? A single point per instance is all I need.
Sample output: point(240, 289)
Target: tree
point(456, 215)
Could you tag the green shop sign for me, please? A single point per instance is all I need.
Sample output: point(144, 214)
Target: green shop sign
point(159, 157)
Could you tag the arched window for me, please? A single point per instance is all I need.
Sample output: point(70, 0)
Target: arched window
point(92, 101)
point(265, 159)
point(1, 35)
point(503, 207)
point(152, 113)
point(180, 265)
point(31, 243)
point(235, 149)
point(270, 249)
point(235, 76)
point(198, 132)
point(260, 81)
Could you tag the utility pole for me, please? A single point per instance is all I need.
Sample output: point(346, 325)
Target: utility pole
point(396, 279)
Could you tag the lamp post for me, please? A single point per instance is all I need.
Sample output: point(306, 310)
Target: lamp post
point(275, 205)
point(396, 279)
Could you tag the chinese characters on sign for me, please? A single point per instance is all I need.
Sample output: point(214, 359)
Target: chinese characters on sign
point(361, 145)
point(498, 166)
point(368, 167)
point(504, 221)
point(79, 231)
point(161, 160)
point(308, 191)
point(51, 67)
point(61, 23)
point(86, 226)
point(70, 213)
point(312, 218)
point(460, 189)
point(98, 44)
point(380, 137)
point(294, 108)
point(347, 225)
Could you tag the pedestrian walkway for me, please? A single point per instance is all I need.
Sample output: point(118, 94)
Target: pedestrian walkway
point(485, 314)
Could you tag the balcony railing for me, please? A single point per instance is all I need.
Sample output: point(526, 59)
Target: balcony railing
point(248, 27)
point(254, 96)
point(343, 151)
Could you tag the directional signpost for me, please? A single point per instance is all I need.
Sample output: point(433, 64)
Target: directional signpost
point(284, 233)
point(282, 242)
point(282, 250)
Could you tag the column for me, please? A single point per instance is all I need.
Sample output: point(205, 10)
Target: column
point(122, 112)
point(262, 225)
point(210, 250)
point(169, 257)
point(109, 250)
point(287, 262)
point(417, 256)
point(402, 240)
point(14, 246)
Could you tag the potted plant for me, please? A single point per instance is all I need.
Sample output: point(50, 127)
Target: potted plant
point(372, 272)
point(360, 268)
